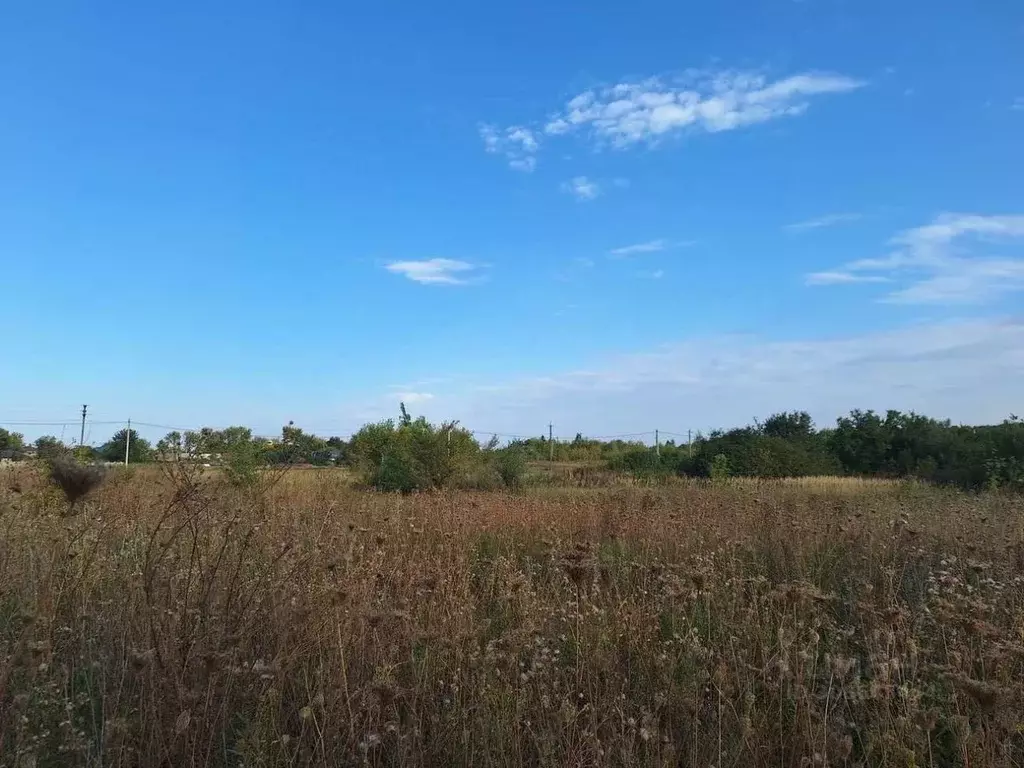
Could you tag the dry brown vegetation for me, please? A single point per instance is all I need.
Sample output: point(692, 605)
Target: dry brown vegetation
point(743, 624)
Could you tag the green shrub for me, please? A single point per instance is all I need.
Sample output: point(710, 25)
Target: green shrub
point(642, 463)
point(413, 455)
point(510, 464)
point(720, 469)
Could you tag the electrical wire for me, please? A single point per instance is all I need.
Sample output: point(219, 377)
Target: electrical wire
point(345, 435)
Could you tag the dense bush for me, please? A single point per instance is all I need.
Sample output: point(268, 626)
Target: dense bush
point(753, 453)
point(510, 465)
point(641, 462)
point(865, 443)
point(413, 454)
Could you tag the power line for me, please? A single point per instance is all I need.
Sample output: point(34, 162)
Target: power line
point(500, 434)
point(161, 426)
point(333, 433)
point(38, 423)
point(68, 423)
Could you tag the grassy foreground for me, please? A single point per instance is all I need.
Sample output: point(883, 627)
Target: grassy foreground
point(746, 624)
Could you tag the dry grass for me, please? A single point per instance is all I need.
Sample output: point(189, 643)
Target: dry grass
point(745, 624)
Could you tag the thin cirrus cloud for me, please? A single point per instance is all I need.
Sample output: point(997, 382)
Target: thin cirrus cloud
point(956, 259)
point(434, 271)
point(651, 246)
point(843, 278)
point(648, 110)
point(969, 370)
point(582, 188)
point(829, 220)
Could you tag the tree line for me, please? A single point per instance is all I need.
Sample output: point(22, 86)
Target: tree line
point(407, 454)
point(863, 444)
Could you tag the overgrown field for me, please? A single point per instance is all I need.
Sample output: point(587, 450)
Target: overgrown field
point(735, 624)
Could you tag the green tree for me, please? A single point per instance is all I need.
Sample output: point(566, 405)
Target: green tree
point(139, 449)
point(413, 454)
point(861, 442)
point(789, 426)
point(11, 441)
point(338, 450)
point(298, 447)
point(510, 464)
point(240, 456)
point(49, 447)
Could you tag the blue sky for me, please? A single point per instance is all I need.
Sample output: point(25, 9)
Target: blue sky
point(615, 217)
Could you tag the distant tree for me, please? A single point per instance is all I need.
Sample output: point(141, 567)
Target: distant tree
point(240, 456)
point(861, 442)
point(298, 447)
point(11, 441)
point(139, 449)
point(338, 450)
point(797, 425)
point(49, 447)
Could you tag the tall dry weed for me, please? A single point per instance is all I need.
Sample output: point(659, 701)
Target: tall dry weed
point(755, 624)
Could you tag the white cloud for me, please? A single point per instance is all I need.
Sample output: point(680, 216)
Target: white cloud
point(655, 274)
point(516, 143)
point(842, 278)
point(949, 261)
point(525, 164)
point(523, 137)
point(651, 246)
point(828, 220)
point(434, 271)
point(647, 110)
point(582, 188)
point(967, 370)
point(1018, 104)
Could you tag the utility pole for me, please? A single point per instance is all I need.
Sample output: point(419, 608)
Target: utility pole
point(81, 439)
point(127, 441)
point(551, 442)
point(689, 442)
point(657, 445)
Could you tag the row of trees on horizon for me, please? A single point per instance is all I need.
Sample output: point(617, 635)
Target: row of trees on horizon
point(407, 453)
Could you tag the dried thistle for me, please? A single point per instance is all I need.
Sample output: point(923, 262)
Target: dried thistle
point(984, 694)
point(74, 479)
